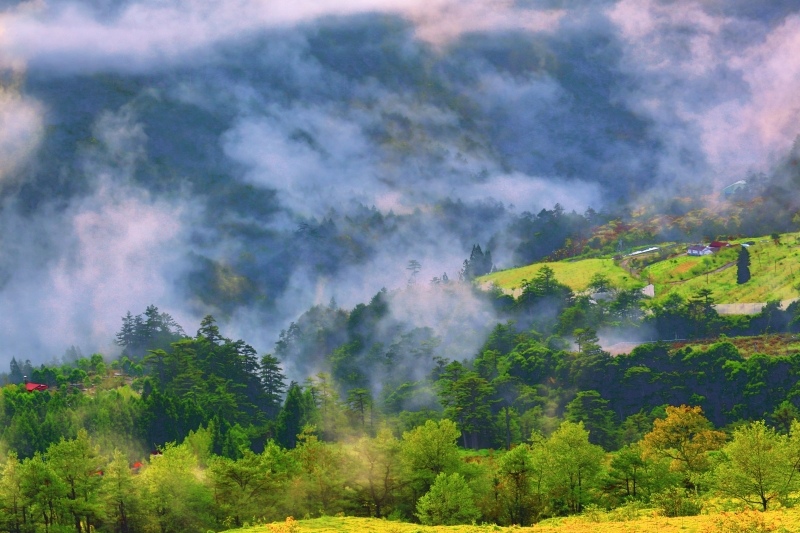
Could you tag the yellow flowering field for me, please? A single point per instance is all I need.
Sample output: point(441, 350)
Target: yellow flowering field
point(782, 521)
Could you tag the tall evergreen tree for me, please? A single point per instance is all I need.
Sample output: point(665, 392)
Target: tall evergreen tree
point(150, 331)
point(126, 337)
point(291, 418)
point(273, 384)
point(209, 330)
point(16, 375)
point(743, 266)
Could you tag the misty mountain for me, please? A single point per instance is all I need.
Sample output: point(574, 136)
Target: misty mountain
point(251, 161)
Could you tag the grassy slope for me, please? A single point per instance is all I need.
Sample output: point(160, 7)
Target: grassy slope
point(775, 270)
point(575, 274)
point(600, 522)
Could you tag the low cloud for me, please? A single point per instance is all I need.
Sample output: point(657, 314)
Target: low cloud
point(713, 80)
point(115, 251)
point(21, 129)
point(74, 37)
point(225, 157)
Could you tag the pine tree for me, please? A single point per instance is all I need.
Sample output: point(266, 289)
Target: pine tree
point(126, 336)
point(152, 324)
point(16, 375)
point(209, 330)
point(273, 383)
point(743, 266)
point(291, 418)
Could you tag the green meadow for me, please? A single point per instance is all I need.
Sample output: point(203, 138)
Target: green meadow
point(574, 274)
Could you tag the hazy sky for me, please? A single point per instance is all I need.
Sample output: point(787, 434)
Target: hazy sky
point(169, 152)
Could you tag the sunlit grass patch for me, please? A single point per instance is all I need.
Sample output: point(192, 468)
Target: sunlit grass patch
point(575, 274)
point(645, 521)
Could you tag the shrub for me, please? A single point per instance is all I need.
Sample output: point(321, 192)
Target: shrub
point(627, 512)
point(290, 526)
point(677, 502)
point(593, 513)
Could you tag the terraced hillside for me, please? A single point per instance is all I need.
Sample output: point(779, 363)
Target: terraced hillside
point(774, 267)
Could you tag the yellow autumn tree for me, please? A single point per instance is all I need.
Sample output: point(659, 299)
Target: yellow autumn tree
point(685, 436)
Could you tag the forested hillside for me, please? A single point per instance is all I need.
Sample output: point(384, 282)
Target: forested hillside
point(390, 419)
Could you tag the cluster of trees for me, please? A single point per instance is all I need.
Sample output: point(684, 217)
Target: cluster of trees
point(525, 379)
point(150, 330)
point(420, 474)
point(478, 264)
point(506, 393)
point(143, 402)
point(383, 371)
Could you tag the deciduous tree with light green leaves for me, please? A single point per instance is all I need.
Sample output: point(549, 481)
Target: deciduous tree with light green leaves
point(240, 486)
point(12, 501)
point(325, 472)
point(78, 465)
point(759, 465)
point(428, 451)
point(634, 476)
point(42, 491)
point(575, 464)
point(173, 497)
point(121, 495)
point(520, 472)
point(448, 503)
point(379, 474)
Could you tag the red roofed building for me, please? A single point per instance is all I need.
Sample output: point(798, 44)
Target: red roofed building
point(30, 387)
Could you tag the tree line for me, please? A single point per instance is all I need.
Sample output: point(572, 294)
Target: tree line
point(420, 475)
point(377, 370)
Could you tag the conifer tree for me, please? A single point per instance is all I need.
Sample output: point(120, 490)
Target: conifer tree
point(273, 383)
point(743, 266)
point(126, 336)
point(291, 418)
point(16, 375)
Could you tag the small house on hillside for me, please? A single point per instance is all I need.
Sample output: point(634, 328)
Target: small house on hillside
point(712, 248)
point(699, 249)
point(30, 387)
